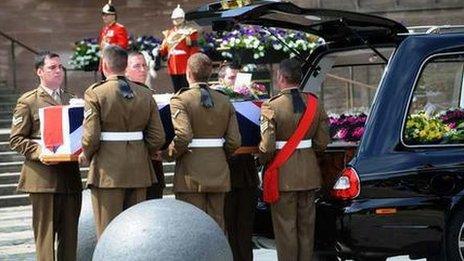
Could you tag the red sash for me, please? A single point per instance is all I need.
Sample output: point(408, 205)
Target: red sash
point(271, 176)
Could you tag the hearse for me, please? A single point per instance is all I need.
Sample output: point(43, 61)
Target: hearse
point(399, 189)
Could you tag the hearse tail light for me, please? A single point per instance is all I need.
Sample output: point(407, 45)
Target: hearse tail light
point(347, 186)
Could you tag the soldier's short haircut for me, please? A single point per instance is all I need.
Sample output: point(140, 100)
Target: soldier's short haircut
point(200, 67)
point(39, 60)
point(290, 69)
point(223, 68)
point(115, 57)
point(134, 53)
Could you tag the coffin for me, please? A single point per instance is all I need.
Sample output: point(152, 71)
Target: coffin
point(248, 114)
point(61, 128)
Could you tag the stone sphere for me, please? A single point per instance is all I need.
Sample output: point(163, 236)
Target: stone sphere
point(163, 229)
point(87, 235)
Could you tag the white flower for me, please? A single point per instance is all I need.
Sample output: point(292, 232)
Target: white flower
point(277, 46)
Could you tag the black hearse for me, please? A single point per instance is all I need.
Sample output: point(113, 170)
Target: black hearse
point(399, 190)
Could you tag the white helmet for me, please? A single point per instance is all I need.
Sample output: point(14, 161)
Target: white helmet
point(178, 13)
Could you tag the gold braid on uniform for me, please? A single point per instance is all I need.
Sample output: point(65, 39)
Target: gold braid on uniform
point(206, 100)
point(298, 104)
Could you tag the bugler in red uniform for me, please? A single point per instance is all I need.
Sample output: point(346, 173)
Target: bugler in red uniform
point(179, 45)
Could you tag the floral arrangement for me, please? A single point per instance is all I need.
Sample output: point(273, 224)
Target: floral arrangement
point(445, 128)
point(144, 43)
point(259, 40)
point(452, 118)
point(252, 92)
point(229, 4)
point(86, 55)
point(347, 127)
point(423, 129)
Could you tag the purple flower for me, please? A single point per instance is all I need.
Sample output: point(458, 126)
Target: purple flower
point(453, 117)
point(243, 90)
point(342, 133)
point(357, 133)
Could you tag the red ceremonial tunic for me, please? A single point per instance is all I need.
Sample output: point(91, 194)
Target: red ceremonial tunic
point(114, 34)
point(180, 52)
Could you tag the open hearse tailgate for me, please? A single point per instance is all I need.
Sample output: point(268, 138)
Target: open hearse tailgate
point(331, 25)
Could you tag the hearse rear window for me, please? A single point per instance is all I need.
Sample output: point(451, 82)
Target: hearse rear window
point(348, 91)
point(436, 111)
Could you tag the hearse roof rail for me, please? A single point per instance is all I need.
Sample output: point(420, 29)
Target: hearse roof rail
point(434, 29)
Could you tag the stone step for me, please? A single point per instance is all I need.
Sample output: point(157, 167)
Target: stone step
point(10, 156)
point(14, 200)
point(5, 90)
point(11, 166)
point(25, 252)
point(4, 134)
point(6, 114)
point(10, 197)
point(8, 189)
point(16, 166)
point(4, 146)
point(13, 177)
point(5, 123)
point(9, 177)
point(8, 97)
point(22, 199)
point(7, 105)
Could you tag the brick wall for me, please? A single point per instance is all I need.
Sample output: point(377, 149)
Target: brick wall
point(56, 24)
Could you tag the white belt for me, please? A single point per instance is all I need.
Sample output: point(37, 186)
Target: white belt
point(206, 143)
point(304, 144)
point(121, 136)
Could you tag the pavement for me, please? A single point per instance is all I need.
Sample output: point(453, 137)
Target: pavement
point(17, 239)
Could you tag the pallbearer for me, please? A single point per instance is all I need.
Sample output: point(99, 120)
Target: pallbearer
point(137, 71)
point(294, 129)
point(122, 131)
point(241, 200)
point(54, 188)
point(206, 134)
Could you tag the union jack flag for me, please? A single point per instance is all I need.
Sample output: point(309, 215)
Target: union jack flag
point(61, 129)
point(248, 114)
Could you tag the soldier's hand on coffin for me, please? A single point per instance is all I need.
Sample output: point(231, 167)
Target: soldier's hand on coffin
point(83, 161)
point(44, 161)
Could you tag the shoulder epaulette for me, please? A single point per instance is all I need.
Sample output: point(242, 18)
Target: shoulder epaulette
point(28, 94)
point(183, 89)
point(275, 97)
point(141, 84)
point(93, 86)
point(220, 91)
